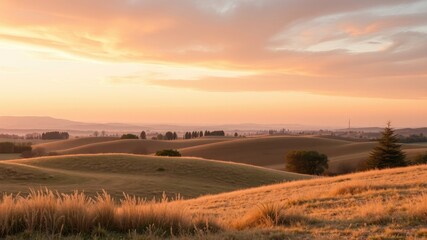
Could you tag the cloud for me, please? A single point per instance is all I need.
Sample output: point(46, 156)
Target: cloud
point(312, 41)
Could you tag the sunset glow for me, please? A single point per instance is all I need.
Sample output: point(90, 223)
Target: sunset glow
point(217, 62)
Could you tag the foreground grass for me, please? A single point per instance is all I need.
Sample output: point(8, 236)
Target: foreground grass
point(387, 204)
point(49, 213)
point(46, 214)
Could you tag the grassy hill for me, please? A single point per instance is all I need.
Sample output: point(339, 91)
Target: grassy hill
point(344, 156)
point(138, 146)
point(72, 143)
point(144, 176)
point(386, 204)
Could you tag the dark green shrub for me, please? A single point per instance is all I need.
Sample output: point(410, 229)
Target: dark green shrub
point(169, 153)
point(307, 162)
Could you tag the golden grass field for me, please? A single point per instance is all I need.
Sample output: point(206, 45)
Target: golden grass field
point(143, 176)
point(386, 204)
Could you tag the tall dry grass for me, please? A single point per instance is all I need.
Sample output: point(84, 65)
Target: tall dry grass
point(47, 212)
point(417, 208)
point(270, 215)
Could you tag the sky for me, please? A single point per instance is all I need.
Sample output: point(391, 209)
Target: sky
point(305, 62)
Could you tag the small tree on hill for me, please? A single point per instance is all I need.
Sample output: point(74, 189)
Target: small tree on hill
point(143, 135)
point(169, 136)
point(387, 154)
point(169, 153)
point(307, 162)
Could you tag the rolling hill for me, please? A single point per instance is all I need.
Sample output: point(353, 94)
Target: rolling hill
point(344, 156)
point(138, 146)
point(270, 151)
point(379, 204)
point(143, 176)
point(72, 143)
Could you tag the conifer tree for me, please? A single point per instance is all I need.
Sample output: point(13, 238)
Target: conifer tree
point(388, 153)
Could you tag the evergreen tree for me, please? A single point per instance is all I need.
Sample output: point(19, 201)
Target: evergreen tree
point(387, 154)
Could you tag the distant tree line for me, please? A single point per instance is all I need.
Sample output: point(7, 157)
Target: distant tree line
point(219, 133)
point(55, 135)
point(168, 136)
point(10, 136)
point(414, 138)
point(143, 135)
point(102, 134)
point(32, 136)
point(9, 147)
point(198, 134)
point(193, 134)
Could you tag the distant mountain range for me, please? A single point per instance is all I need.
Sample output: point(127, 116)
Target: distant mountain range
point(27, 124)
point(49, 123)
point(32, 123)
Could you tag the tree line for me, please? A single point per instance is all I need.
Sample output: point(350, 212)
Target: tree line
point(9, 147)
point(173, 135)
point(413, 138)
point(55, 135)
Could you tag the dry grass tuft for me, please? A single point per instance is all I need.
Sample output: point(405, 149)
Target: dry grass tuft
point(46, 212)
point(350, 188)
point(270, 215)
point(378, 211)
point(417, 209)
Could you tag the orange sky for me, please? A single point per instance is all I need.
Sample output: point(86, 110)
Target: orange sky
point(216, 61)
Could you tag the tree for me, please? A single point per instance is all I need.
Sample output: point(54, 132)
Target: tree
point(201, 134)
point(96, 134)
point(143, 135)
point(307, 162)
point(169, 153)
point(175, 136)
point(160, 136)
point(387, 154)
point(236, 134)
point(169, 136)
